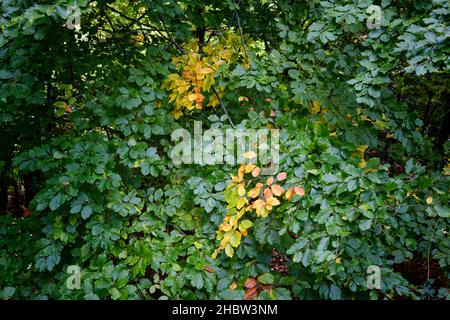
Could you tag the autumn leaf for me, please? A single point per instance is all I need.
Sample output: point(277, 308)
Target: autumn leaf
point(250, 283)
point(288, 195)
point(256, 171)
point(208, 269)
point(299, 191)
point(241, 189)
point(277, 190)
point(251, 293)
point(26, 212)
point(281, 176)
point(254, 192)
point(267, 193)
point(249, 167)
point(271, 202)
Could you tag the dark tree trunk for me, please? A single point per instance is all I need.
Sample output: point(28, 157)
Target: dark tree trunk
point(445, 127)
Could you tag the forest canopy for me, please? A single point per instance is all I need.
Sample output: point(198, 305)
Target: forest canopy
point(329, 121)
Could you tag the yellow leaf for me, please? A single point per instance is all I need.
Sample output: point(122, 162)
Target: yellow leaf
point(269, 181)
point(272, 201)
point(225, 227)
point(362, 164)
point(315, 107)
point(288, 195)
point(254, 192)
point(197, 244)
point(241, 189)
point(229, 251)
point(241, 202)
point(249, 167)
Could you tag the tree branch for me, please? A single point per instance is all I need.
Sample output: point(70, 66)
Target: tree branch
point(222, 105)
point(172, 40)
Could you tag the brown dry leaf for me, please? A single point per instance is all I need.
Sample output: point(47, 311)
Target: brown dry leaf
point(208, 269)
point(26, 212)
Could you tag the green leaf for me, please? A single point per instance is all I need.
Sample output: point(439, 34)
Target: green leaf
point(55, 202)
point(365, 224)
point(266, 278)
point(4, 74)
point(335, 292)
point(442, 211)
point(8, 292)
point(197, 280)
point(176, 267)
point(115, 293)
point(86, 212)
point(245, 224)
point(351, 185)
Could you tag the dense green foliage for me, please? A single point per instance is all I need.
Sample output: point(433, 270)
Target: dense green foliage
point(86, 125)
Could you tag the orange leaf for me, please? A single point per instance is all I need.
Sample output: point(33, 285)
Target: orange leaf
point(299, 191)
point(26, 212)
point(281, 176)
point(251, 293)
point(250, 283)
point(256, 172)
point(277, 190)
point(253, 193)
point(267, 193)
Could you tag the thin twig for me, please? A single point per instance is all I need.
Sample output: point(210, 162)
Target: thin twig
point(429, 250)
point(242, 34)
point(234, 14)
point(170, 36)
point(222, 105)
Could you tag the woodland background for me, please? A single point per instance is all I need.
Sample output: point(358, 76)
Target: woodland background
point(87, 113)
